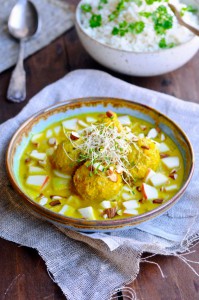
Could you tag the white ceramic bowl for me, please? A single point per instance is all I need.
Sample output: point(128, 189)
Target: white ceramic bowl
point(136, 63)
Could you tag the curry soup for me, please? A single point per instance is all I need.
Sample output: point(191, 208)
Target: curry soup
point(99, 167)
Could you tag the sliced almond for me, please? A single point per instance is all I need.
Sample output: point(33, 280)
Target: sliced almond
point(162, 189)
point(27, 160)
point(110, 212)
point(36, 144)
point(138, 188)
point(143, 127)
point(109, 114)
point(42, 162)
point(134, 138)
point(112, 176)
point(163, 155)
point(158, 201)
point(55, 203)
point(145, 147)
point(54, 197)
point(91, 168)
point(174, 176)
point(74, 136)
point(119, 169)
point(52, 141)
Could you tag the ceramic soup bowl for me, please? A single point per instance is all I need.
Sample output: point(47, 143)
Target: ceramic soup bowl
point(137, 63)
point(61, 111)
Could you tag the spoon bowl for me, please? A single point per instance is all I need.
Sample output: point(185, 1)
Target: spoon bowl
point(23, 20)
point(23, 23)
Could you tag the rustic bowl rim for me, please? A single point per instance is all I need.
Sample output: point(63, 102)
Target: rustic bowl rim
point(93, 225)
point(78, 23)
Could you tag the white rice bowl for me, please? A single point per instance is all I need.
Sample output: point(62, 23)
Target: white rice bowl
point(146, 41)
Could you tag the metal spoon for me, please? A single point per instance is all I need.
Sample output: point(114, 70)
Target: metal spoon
point(23, 23)
point(181, 21)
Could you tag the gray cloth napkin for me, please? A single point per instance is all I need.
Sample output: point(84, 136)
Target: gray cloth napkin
point(92, 266)
point(56, 17)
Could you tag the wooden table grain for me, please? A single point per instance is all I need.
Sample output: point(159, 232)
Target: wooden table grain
point(23, 274)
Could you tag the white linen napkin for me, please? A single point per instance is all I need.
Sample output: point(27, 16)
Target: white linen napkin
point(56, 17)
point(92, 266)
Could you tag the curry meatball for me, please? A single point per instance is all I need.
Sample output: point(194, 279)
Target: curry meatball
point(144, 155)
point(96, 187)
point(65, 157)
point(111, 119)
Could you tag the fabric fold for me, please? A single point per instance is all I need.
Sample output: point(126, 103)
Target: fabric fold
point(92, 266)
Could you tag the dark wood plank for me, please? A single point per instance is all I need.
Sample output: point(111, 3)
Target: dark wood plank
point(24, 273)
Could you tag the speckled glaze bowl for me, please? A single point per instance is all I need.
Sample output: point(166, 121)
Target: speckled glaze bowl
point(137, 63)
point(43, 119)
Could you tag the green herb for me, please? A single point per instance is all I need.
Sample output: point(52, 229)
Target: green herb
point(124, 28)
point(136, 27)
point(162, 20)
point(189, 8)
point(113, 16)
point(137, 2)
point(150, 2)
point(86, 7)
point(95, 21)
point(145, 14)
point(119, 8)
point(101, 2)
point(163, 44)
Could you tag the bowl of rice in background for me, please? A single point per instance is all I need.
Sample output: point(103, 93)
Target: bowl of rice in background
point(139, 37)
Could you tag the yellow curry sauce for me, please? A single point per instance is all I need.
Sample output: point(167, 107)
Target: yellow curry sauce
point(151, 175)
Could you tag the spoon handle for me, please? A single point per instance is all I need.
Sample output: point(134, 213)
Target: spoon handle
point(17, 86)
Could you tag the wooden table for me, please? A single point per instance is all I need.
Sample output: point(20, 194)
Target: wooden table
point(23, 274)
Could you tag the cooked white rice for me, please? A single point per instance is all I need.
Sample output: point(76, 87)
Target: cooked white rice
point(146, 41)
